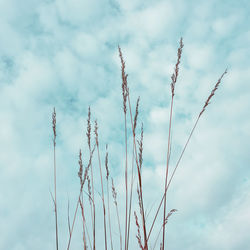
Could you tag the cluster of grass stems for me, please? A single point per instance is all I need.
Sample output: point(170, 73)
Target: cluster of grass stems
point(86, 176)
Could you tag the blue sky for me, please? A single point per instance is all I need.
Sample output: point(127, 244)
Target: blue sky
point(63, 54)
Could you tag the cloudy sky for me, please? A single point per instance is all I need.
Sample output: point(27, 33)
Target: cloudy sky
point(63, 54)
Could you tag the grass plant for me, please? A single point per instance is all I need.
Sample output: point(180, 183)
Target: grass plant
point(143, 228)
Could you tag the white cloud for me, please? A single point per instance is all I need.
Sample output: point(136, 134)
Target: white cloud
point(199, 57)
point(64, 54)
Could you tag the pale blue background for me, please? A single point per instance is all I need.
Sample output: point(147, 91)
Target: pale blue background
point(63, 53)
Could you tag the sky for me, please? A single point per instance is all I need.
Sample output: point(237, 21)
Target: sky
point(63, 54)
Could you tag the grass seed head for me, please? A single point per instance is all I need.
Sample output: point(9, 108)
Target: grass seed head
point(106, 162)
point(89, 128)
point(136, 113)
point(54, 125)
point(176, 71)
point(124, 81)
point(212, 93)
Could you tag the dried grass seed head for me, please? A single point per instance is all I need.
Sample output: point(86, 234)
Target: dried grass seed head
point(136, 113)
point(89, 128)
point(80, 172)
point(54, 125)
point(138, 236)
point(96, 133)
point(139, 200)
point(124, 81)
point(89, 188)
point(106, 162)
point(176, 71)
point(89, 164)
point(114, 193)
point(140, 143)
point(212, 93)
point(169, 214)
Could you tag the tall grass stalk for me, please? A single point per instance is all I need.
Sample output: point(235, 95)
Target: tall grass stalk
point(132, 172)
point(174, 80)
point(139, 180)
point(103, 201)
point(124, 80)
point(80, 173)
point(83, 225)
point(114, 193)
point(54, 147)
point(88, 133)
point(125, 96)
point(107, 182)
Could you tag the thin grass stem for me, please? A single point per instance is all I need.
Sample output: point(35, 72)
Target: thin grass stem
point(54, 146)
point(88, 133)
point(114, 194)
point(103, 201)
